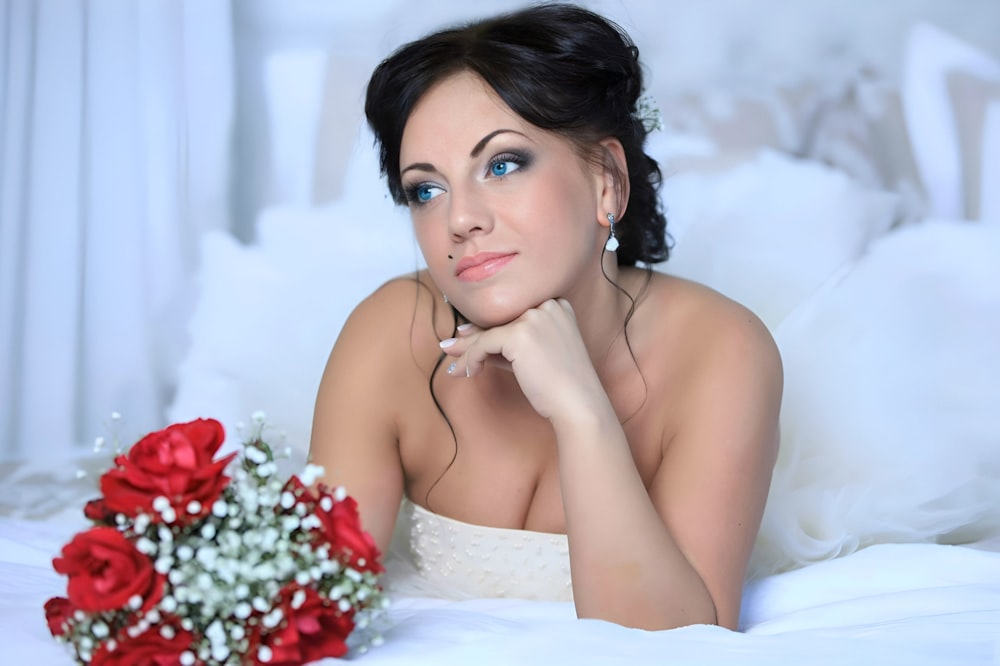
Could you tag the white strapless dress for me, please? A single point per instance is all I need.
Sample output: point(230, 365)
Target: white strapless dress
point(437, 556)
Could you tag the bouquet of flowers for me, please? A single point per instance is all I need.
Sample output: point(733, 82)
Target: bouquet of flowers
point(195, 560)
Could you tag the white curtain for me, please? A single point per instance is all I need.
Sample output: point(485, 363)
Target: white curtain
point(115, 124)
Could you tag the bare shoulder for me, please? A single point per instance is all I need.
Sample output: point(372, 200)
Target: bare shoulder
point(393, 299)
point(387, 347)
point(713, 333)
point(397, 317)
point(716, 354)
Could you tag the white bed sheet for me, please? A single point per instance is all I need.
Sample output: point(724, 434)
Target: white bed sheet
point(914, 604)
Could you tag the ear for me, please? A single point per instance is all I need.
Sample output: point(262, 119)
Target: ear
point(613, 190)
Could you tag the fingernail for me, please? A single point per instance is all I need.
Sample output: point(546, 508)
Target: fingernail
point(447, 343)
point(463, 328)
point(451, 368)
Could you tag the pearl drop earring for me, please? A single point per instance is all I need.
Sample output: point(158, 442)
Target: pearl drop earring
point(612, 243)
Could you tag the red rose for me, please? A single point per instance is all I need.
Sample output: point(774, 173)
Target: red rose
point(314, 630)
point(341, 527)
point(97, 511)
point(150, 648)
point(105, 571)
point(175, 463)
point(58, 615)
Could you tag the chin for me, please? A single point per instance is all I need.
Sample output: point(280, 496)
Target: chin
point(495, 312)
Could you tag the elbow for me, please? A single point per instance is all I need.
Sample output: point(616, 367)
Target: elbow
point(653, 615)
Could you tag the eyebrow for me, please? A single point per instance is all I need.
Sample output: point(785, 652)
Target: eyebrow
point(476, 150)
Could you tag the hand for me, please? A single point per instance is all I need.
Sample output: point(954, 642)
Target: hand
point(545, 351)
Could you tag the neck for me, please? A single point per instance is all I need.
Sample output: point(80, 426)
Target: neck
point(601, 310)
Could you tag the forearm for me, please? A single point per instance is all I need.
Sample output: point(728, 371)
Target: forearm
point(626, 566)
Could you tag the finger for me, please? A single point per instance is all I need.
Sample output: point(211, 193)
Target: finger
point(555, 305)
point(455, 347)
point(498, 361)
point(485, 347)
point(460, 367)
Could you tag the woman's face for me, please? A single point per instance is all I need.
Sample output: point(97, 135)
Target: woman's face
point(507, 215)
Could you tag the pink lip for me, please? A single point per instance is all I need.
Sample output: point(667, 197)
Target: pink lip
point(481, 266)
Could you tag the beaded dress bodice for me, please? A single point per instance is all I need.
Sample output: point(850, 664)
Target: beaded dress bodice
point(454, 559)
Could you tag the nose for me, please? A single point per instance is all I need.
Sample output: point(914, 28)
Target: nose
point(468, 214)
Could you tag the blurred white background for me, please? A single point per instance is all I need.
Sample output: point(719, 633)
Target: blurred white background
point(128, 129)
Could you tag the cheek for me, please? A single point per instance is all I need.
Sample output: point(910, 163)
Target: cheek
point(570, 190)
point(567, 214)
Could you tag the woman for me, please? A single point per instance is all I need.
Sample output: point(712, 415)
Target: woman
point(533, 377)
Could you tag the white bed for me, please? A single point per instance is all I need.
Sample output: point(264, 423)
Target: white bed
point(880, 279)
point(910, 604)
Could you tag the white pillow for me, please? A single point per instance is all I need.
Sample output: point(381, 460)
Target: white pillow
point(770, 231)
point(268, 313)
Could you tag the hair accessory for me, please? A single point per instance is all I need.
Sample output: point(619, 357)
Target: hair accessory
point(612, 243)
point(648, 113)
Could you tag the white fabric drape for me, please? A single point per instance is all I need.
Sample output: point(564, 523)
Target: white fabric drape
point(115, 119)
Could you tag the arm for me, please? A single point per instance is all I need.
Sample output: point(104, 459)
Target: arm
point(354, 426)
point(675, 554)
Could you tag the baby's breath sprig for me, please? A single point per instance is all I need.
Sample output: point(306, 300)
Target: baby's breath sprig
point(101, 443)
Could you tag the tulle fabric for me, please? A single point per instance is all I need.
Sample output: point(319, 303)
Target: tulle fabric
point(890, 422)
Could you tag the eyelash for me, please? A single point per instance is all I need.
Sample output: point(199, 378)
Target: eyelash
point(410, 193)
point(520, 159)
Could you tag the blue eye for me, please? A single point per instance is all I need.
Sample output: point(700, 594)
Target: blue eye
point(422, 193)
point(506, 164)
